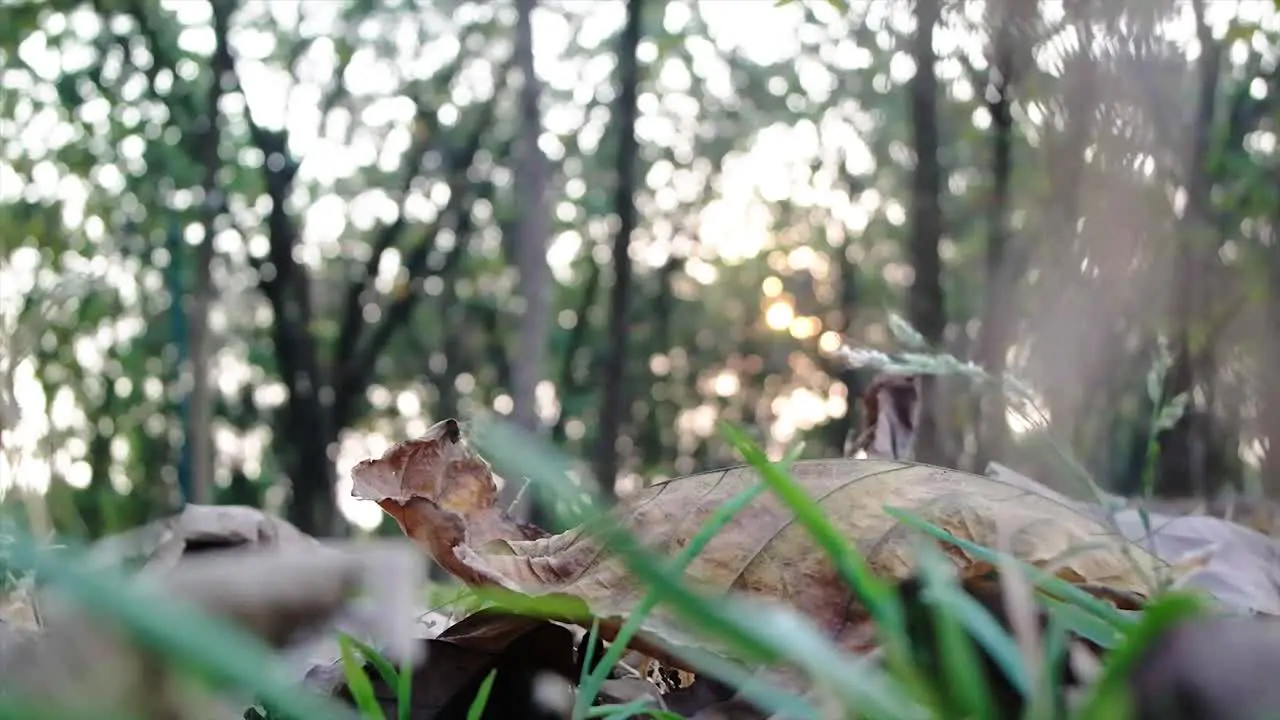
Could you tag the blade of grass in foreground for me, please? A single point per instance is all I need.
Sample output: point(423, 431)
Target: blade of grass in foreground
point(516, 453)
point(208, 646)
point(719, 518)
point(1046, 701)
point(1082, 622)
point(874, 593)
point(1109, 693)
point(476, 710)
point(957, 657)
point(404, 690)
point(358, 681)
point(385, 670)
point(400, 680)
point(573, 610)
point(760, 634)
point(1035, 575)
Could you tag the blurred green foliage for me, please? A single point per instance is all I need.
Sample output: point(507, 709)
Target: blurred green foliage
point(363, 214)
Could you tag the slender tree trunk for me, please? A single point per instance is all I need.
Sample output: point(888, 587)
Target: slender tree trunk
point(998, 302)
point(924, 300)
point(1271, 380)
point(613, 377)
point(569, 385)
point(1184, 448)
point(531, 178)
point(846, 428)
point(200, 430)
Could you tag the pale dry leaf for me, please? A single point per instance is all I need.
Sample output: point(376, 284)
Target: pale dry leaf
point(281, 594)
point(1237, 565)
point(444, 496)
point(162, 543)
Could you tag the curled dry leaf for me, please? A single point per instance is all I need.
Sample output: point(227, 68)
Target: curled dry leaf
point(890, 412)
point(444, 496)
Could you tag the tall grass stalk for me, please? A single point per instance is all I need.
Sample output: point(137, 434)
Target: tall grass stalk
point(756, 633)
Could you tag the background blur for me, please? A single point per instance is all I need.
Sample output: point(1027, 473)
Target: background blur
point(245, 244)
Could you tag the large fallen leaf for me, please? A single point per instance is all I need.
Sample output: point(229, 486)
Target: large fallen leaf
point(444, 496)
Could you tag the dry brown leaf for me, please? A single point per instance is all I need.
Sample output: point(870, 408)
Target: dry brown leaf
point(444, 496)
point(890, 413)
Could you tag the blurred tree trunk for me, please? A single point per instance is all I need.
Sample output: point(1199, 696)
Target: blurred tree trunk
point(1184, 449)
point(309, 431)
point(530, 190)
point(847, 427)
point(998, 303)
point(924, 300)
point(309, 435)
point(1063, 204)
point(614, 405)
point(199, 428)
point(569, 386)
point(1269, 382)
point(844, 429)
point(652, 444)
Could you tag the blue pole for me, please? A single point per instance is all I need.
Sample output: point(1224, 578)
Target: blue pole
point(178, 318)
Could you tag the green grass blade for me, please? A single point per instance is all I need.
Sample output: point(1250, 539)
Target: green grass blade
point(638, 708)
point(358, 681)
point(400, 681)
point(383, 666)
point(753, 634)
point(1036, 576)
point(875, 594)
point(942, 590)
point(1082, 622)
point(476, 710)
point(1045, 702)
point(1158, 617)
point(590, 687)
point(404, 691)
point(589, 659)
point(550, 607)
point(957, 656)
